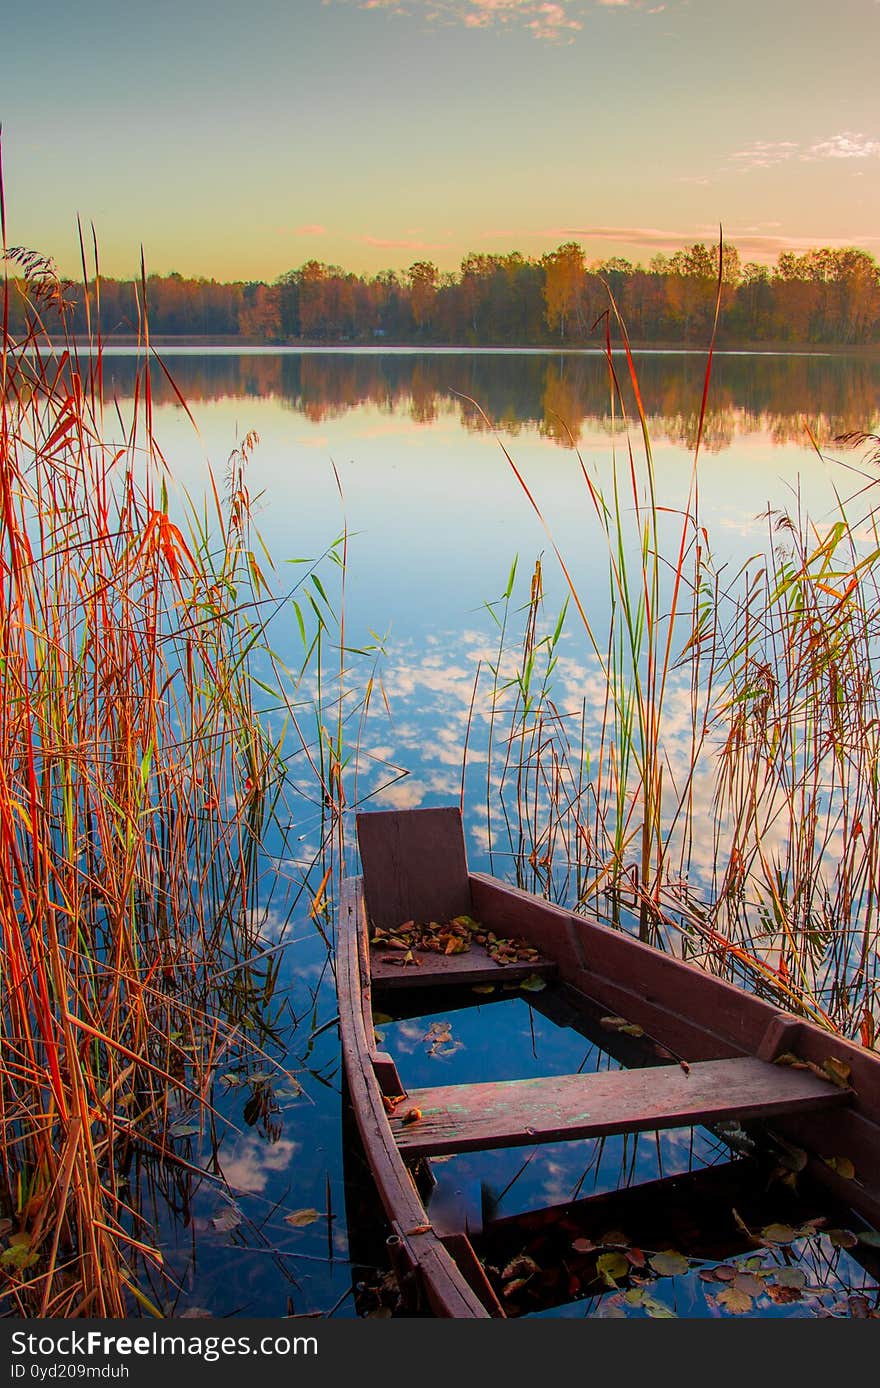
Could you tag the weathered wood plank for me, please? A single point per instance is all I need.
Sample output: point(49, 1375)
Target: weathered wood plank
point(677, 1003)
point(447, 1290)
point(414, 865)
point(442, 970)
point(467, 1117)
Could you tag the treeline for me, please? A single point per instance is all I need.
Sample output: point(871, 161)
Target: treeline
point(823, 296)
point(558, 394)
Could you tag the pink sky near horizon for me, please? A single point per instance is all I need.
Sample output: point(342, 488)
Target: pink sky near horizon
point(238, 144)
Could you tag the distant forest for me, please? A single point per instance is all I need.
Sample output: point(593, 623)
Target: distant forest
point(822, 296)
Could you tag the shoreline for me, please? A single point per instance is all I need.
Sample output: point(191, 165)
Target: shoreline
point(192, 342)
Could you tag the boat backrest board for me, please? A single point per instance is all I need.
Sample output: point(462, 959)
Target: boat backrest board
point(414, 865)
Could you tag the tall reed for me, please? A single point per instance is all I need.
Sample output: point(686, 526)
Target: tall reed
point(737, 720)
point(137, 778)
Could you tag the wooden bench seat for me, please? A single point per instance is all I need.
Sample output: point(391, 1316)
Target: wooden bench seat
point(512, 1113)
point(387, 972)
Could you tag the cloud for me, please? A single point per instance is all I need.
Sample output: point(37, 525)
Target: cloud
point(405, 243)
point(310, 229)
point(848, 145)
point(549, 20)
point(766, 154)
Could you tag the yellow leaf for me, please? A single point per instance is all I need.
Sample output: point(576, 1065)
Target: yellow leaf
point(843, 1166)
point(611, 1266)
point(300, 1218)
point(837, 1071)
point(533, 984)
point(735, 1301)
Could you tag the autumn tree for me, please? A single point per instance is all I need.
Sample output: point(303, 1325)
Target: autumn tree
point(422, 291)
point(565, 288)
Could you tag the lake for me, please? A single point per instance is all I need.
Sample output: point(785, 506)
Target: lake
point(407, 453)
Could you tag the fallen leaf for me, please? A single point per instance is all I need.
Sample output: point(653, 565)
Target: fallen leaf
point(583, 1246)
point(735, 1301)
point(412, 1115)
point(615, 1238)
point(790, 1277)
point(227, 1219)
point(843, 1166)
point(522, 1266)
point(669, 1263)
point(511, 1288)
point(841, 1238)
point(611, 1267)
point(621, 1024)
point(779, 1233)
point(533, 984)
point(657, 1310)
point(783, 1295)
point(871, 1237)
point(184, 1130)
point(837, 1071)
point(724, 1272)
point(483, 988)
point(748, 1283)
point(301, 1218)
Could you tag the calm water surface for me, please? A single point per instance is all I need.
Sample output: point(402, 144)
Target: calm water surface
point(435, 516)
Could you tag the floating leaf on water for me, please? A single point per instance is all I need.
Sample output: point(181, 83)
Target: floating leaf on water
point(483, 988)
point(611, 1267)
point(621, 1024)
point(779, 1233)
point(657, 1310)
point(841, 1238)
point(381, 1019)
point(300, 1219)
point(226, 1219)
point(583, 1246)
point(843, 1166)
point(635, 1257)
point(253, 1109)
point(533, 984)
point(634, 1296)
point(669, 1263)
point(790, 1277)
point(782, 1294)
point(748, 1283)
point(735, 1301)
point(184, 1130)
point(724, 1272)
point(615, 1238)
point(871, 1237)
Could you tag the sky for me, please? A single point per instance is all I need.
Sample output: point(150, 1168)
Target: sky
point(238, 140)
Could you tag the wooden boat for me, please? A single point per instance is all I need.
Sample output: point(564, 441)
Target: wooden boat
point(699, 1050)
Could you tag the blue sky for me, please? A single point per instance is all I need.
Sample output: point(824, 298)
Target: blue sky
point(240, 140)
